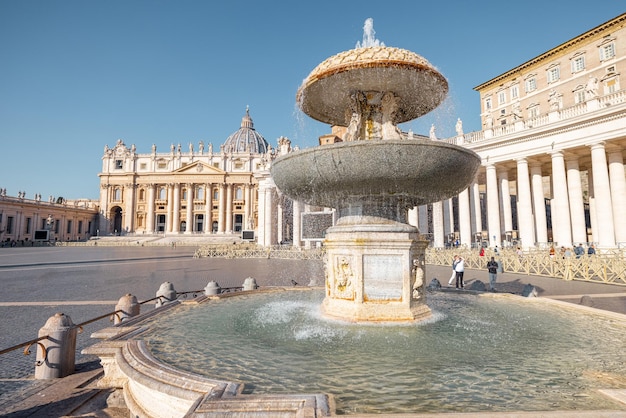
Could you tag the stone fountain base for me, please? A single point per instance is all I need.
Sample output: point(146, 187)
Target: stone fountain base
point(374, 271)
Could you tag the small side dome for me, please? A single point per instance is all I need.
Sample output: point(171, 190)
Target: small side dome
point(246, 139)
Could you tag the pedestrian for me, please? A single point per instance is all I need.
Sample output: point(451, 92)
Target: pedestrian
point(453, 276)
point(579, 250)
point(482, 252)
point(591, 250)
point(459, 268)
point(492, 267)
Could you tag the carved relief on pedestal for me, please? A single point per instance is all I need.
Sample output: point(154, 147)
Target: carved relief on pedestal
point(341, 282)
point(418, 275)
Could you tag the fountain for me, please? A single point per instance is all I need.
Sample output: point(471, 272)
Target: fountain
point(460, 353)
point(374, 259)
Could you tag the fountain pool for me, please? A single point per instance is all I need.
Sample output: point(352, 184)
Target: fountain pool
point(476, 353)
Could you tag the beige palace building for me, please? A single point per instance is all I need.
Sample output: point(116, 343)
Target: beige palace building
point(552, 148)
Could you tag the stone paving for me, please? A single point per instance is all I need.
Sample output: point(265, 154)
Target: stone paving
point(86, 282)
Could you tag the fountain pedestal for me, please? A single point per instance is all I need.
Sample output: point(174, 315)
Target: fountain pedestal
point(374, 272)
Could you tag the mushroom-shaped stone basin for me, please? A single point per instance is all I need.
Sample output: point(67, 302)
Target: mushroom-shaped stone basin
point(397, 173)
point(419, 87)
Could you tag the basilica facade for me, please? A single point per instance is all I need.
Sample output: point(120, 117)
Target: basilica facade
point(187, 189)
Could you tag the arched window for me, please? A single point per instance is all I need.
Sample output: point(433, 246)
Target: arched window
point(216, 194)
point(117, 194)
point(162, 193)
point(199, 192)
point(142, 194)
point(239, 193)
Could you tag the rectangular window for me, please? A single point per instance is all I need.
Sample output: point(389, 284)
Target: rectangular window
point(579, 96)
point(119, 164)
point(28, 225)
point(553, 74)
point(531, 85)
point(514, 92)
point(607, 51)
point(502, 97)
point(533, 112)
point(611, 86)
point(80, 227)
point(143, 166)
point(162, 165)
point(9, 228)
point(578, 64)
point(69, 227)
point(488, 103)
point(57, 225)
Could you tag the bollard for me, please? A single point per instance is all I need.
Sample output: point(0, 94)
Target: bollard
point(249, 284)
point(58, 360)
point(166, 294)
point(129, 306)
point(212, 289)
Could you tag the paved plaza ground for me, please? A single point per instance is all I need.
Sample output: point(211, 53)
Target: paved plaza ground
point(86, 282)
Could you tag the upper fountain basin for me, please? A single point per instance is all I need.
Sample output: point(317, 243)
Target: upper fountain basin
point(325, 94)
point(411, 172)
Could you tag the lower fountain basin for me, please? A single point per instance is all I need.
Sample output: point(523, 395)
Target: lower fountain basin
point(383, 173)
point(496, 353)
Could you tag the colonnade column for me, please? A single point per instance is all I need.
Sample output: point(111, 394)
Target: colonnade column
point(593, 217)
point(413, 216)
point(189, 211)
point(576, 205)
point(263, 191)
point(505, 200)
point(465, 223)
point(247, 217)
point(229, 208)
point(129, 207)
point(524, 208)
point(618, 192)
point(448, 218)
point(422, 219)
point(297, 223)
point(151, 215)
point(208, 206)
point(602, 191)
point(221, 208)
point(269, 215)
point(176, 209)
point(539, 204)
point(561, 224)
point(477, 222)
point(170, 207)
point(438, 225)
point(493, 207)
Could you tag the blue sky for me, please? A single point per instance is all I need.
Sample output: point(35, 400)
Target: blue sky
point(78, 75)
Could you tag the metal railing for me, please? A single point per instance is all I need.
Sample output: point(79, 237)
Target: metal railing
point(607, 267)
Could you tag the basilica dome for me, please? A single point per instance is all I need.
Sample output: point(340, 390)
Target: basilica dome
point(246, 139)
